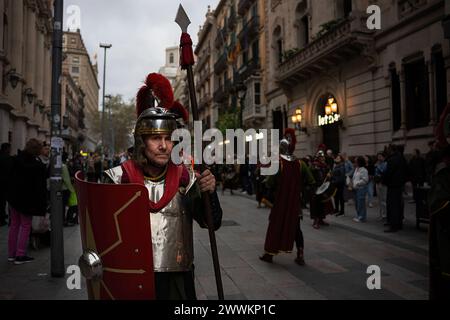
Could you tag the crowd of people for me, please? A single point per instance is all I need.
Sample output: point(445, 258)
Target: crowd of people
point(25, 193)
point(357, 180)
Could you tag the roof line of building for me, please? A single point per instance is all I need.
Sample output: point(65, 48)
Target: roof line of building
point(87, 54)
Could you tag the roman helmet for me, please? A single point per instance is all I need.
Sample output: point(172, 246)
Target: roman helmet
point(157, 112)
point(287, 144)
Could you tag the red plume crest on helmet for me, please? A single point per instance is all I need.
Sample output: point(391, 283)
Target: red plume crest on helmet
point(156, 85)
point(289, 132)
point(178, 108)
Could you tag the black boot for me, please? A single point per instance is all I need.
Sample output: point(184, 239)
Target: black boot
point(266, 258)
point(300, 260)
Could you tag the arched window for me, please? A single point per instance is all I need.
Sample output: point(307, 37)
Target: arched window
point(302, 23)
point(171, 58)
point(395, 98)
point(278, 45)
point(343, 8)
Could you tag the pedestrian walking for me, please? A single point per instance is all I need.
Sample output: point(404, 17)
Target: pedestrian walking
point(27, 197)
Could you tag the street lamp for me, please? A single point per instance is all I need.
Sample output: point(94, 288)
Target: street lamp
point(28, 93)
point(104, 46)
point(13, 77)
point(297, 120)
point(111, 127)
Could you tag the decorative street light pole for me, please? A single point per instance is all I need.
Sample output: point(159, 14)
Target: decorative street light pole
point(105, 46)
point(57, 235)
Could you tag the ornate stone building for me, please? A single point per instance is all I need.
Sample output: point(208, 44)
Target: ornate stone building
point(25, 69)
point(77, 63)
point(389, 85)
point(73, 113)
point(251, 61)
point(203, 71)
point(172, 65)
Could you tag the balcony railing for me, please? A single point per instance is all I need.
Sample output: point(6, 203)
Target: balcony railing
point(203, 103)
point(232, 21)
point(244, 5)
point(221, 63)
point(220, 38)
point(347, 39)
point(203, 77)
point(253, 112)
point(248, 69)
point(250, 30)
point(222, 92)
point(204, 56)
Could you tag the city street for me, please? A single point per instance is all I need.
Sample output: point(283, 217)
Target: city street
point(336, 257)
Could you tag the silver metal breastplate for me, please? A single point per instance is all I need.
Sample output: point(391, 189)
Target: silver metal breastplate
point(171, 228)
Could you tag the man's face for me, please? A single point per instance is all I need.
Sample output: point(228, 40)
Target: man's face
point(158, 149)
point(45, 151)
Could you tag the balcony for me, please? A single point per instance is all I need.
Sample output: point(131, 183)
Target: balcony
point(221, 94)
point(248, 69)
point(254, 112)
point(220, 38)
point(345, 40)
point(249, 31)
point(244, 5)
point(203, 77)
point(203, 103)
point(221, 63)
point(203, 57)
point(232, 21)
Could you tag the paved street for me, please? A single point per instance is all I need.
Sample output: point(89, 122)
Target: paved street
point(336, 257)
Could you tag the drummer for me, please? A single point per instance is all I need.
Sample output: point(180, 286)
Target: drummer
point(321, 205)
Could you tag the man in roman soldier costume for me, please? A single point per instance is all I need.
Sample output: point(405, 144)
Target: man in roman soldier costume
point(284, 220)
point(173, 202)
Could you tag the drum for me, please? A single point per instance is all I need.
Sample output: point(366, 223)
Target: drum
point(326, 191)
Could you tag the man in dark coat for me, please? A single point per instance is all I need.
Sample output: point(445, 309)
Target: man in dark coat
point(395, 178)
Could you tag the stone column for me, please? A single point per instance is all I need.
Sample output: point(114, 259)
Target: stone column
point(430, 71)
point(2, 10)
point(39, 60)
point(403, 98)
point(30, 63)
point(17, 35)
point(2, 49)
point(47, 71)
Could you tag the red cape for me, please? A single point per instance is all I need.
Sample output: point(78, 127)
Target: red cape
point(284, 215)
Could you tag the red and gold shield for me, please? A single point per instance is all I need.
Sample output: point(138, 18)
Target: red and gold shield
point(115, 227)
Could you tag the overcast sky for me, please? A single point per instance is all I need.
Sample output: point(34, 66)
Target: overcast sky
point(139, 31)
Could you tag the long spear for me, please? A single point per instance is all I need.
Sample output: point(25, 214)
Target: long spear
point(186, 62)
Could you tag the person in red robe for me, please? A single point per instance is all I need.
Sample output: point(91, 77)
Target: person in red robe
point(284, 220)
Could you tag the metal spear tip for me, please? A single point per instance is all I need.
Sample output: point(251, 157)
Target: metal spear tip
point(182, 19)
